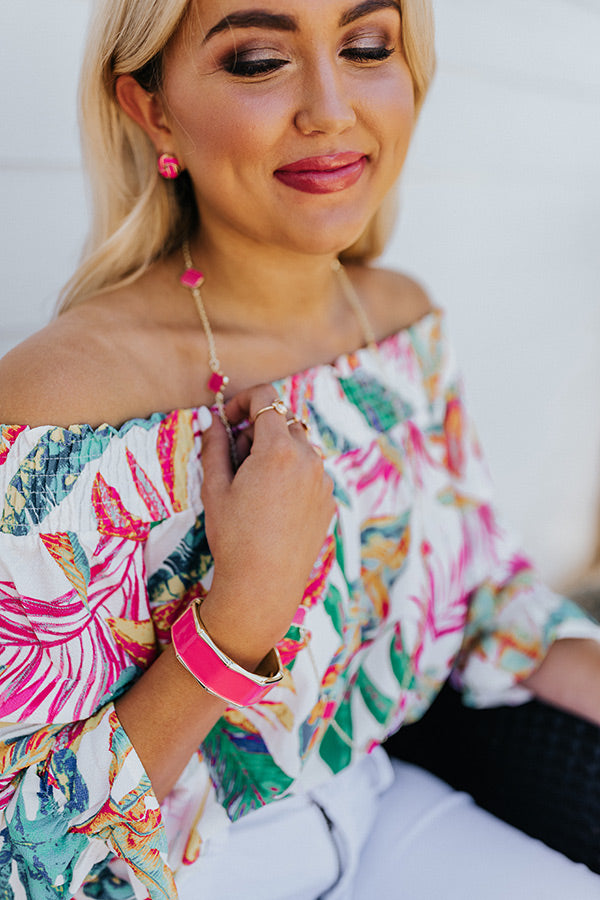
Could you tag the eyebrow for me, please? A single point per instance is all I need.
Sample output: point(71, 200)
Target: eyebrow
point(253, 18)
point(261, 18)
point(367, 7)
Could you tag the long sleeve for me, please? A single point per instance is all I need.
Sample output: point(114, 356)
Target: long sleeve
point(75, 631)
point(512, 617)
point(74, 795)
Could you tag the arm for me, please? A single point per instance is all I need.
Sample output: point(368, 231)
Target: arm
point(569, 677)
point(519, 636)
point(74, 632)
point(87, 776)
point(277, 507)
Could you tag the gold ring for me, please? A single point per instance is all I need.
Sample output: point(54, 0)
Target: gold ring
point(296, 420)
point(277, 405)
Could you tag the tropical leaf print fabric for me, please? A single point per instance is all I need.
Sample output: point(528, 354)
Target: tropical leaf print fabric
point(102, 544)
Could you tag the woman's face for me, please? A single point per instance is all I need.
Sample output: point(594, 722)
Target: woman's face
point(293, 117)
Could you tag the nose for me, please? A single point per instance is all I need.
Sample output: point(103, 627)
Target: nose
point(326, 106)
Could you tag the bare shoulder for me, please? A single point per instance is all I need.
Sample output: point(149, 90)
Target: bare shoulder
point(394, 300)
point(82, 368)
point(52, 376)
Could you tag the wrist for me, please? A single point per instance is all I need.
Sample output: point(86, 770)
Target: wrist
point(247, 629)
point(214, 669)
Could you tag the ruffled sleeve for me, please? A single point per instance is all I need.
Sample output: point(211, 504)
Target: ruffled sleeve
point(75, 631)
point(512, 617)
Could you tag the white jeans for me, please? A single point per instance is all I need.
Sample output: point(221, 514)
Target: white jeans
point(381, 830)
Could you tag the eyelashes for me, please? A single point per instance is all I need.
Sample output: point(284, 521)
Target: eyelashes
point(254, 68)
point(368, 54)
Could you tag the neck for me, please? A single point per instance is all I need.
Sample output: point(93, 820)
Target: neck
point(264, 285)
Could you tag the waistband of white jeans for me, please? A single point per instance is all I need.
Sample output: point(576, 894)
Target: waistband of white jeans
point(349, 802)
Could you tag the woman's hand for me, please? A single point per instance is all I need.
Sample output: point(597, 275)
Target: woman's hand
point(265, 525)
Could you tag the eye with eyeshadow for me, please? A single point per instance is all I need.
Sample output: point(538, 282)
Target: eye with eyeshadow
point(251, 64)
point(244, 65)
point(368, 54)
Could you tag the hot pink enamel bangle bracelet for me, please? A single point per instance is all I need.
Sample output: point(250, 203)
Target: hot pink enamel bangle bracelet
point(213, 669)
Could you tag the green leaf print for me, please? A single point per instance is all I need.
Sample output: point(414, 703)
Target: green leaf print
point(331, 441)
point(334, 608)
point(48, 474)
point(377, 703)
point(184, 567)
point(243, 772)
point(380, 407)
point(334, 750)
point(103, 884)
point(401, 664)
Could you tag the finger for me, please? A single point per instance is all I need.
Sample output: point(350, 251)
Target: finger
point(300, 434)
point(298, 426)
point(243, 445)
point(216, 457)
point(246, 404)
point(268, 423)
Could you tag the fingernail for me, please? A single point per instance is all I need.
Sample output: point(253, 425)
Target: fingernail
point(204, 418)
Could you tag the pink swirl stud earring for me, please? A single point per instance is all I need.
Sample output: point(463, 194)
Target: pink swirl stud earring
point(168, 166)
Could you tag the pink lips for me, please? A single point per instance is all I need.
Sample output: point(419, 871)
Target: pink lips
point(323, 174)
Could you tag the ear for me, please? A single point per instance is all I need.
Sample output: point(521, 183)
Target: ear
point(147, 110)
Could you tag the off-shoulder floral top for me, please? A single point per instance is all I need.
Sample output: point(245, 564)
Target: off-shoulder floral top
point(102, 544)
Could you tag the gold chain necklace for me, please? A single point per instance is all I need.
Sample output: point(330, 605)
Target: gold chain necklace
point(193, 279)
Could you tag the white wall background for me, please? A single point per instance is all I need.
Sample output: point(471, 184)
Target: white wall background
point(500, 219)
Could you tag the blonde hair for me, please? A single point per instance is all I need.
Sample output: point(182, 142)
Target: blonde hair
point(136, 215)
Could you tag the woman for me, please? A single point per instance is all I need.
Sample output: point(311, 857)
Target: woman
point(154, 557)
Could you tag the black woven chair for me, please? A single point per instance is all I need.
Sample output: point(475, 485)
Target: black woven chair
point(532, 765)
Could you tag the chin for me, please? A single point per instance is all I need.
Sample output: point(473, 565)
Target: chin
point(321, 246)
point(334, 230)
point(326, 237)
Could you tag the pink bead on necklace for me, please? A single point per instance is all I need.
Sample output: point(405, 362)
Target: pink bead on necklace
point(193, 279)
